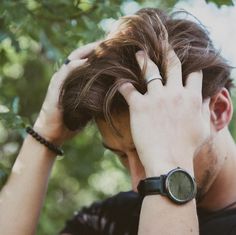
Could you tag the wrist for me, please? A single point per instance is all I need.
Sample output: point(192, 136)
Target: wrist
point(44, 132)
point(162, 169)
point(44, 141)
point(165, 162)
point(178, 185)
point(158, 169)
point(33, 143)
point(49, 132)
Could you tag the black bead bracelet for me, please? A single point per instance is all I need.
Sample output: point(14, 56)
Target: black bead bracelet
point(43, 141)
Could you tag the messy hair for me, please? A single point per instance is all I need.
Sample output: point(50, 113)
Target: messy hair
point(92, 90)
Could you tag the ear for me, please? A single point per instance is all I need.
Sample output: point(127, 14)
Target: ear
point(221, 109)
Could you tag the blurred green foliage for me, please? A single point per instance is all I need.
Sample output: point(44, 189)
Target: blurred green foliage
point(35, 37)
point(220, 3)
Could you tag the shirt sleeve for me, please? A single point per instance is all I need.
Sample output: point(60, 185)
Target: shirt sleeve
point(117, 215)
point(222, 222)
point(86, 221)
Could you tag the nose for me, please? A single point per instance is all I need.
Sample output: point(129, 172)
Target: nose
point(136, 170)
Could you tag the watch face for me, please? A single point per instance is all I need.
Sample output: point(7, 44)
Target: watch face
point(180, 186)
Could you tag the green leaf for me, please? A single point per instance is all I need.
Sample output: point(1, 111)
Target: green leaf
point(15, 105)
point(220, 3)
point(12, 120)
point(4, 173)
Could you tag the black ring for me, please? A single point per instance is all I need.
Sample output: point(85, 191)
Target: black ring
point(153, 79)
point(67, 61)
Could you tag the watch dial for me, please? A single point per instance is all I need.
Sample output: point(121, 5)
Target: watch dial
point(180, 186)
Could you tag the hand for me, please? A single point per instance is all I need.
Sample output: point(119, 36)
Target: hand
point(169, 122)
point(49, 123)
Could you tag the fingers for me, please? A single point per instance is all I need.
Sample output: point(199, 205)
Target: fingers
point(73, 65)
point(174, 69)
point(130, 93)
point(76, 59)
point(67, 69)
point(194, 81)
point(174, 74)
point(83, 52)
point(152, 73)
point(206, 109)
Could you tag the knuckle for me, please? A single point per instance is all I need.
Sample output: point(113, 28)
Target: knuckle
point(74, 64)
point(74, 54)
point(70, 66)
point(177, 98)
point(196, 101)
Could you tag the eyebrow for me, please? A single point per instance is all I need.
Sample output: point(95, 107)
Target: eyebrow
point(110, 148)
point(117, 150)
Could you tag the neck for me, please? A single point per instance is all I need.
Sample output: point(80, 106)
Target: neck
point(222, 191)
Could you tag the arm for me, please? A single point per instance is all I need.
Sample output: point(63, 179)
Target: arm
point(168, 124)
point(22, 197)
point(159, 215)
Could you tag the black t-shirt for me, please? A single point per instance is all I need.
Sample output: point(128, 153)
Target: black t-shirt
point(119, 215)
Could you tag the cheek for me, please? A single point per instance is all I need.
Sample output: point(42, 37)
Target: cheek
point(206, 169)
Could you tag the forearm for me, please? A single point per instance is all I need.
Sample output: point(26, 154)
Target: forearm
point(22, 197)
point(158, 213)
point(160, 216)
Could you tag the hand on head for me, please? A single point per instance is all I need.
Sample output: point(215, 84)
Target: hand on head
point(49, 122)
point(168, 118)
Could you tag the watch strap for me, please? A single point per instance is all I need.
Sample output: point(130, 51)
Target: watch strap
point(152, 185)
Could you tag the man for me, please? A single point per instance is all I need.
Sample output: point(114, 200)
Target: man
point(143, 88)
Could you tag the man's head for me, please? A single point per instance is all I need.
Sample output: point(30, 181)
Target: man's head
point(91, 92)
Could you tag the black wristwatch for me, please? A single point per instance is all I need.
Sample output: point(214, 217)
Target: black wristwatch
point(178, 185)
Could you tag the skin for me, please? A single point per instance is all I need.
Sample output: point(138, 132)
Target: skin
point(18, 202)
point(153, 142)
point(214, 164)
point(206, 149)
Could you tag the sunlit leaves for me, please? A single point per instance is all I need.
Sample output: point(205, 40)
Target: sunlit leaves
point(220, 3)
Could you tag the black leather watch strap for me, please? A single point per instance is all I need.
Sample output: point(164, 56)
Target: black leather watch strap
point(151, 186)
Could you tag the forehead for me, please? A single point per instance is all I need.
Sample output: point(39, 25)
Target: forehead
point(110, 138)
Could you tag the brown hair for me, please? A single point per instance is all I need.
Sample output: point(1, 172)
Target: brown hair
point(91, 91)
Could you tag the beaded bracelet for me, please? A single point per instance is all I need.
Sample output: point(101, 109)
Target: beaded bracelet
point(43, 141)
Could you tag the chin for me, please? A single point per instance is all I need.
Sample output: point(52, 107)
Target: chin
point(203, 185)
point(206, 169)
